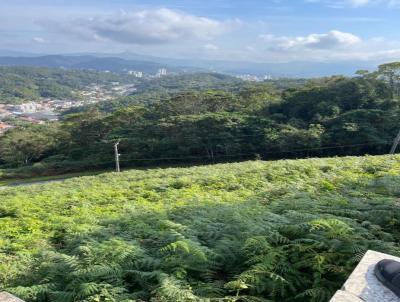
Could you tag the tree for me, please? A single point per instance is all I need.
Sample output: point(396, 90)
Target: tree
point(391, 73)
point(22, 147)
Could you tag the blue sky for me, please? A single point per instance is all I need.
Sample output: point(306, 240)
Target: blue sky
point(252, 30)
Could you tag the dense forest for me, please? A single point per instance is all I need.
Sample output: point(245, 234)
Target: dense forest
point(219, 119)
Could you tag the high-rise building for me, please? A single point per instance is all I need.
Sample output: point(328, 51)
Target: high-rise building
point(137, 74)
point(162, 72)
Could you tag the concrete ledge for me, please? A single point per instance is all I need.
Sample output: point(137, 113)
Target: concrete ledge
point(6, 297)
point(342, 296)
point(362, 284)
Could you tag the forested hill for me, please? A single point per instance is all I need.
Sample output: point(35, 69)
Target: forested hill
point(256, 231)
point(323, 117)
point(156, 90)
point(21, 84)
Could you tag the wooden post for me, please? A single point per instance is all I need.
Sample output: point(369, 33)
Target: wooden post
point(117, 168)
point(395, 144)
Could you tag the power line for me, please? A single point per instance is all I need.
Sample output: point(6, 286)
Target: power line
point(229, 136)
point(238, 155)
point(171, 133)
point(253, 153)
point(233, 136)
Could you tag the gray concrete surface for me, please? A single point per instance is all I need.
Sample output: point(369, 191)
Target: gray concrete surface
point(342, 296)
point(362, 284)
point(6, 297)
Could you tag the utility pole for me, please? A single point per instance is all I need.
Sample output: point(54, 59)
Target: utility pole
point(395, 144)
point(117, 168)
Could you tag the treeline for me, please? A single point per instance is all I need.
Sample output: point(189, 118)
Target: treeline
point(323, 117)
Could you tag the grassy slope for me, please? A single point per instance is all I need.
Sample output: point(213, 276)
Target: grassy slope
point(44, 179)
point(151, 203)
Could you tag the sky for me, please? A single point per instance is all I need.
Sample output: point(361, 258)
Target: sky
point(239, 30)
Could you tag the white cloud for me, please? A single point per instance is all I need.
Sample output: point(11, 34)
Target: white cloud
point(210, 47)
point(331, 40)
point(334, 46)
point(38, 40)
point(146, 27)
point(357, 3)
point(173, 33)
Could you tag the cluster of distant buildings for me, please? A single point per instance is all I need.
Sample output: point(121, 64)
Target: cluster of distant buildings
point(254, 78)
point(139, 74)
point(95, 93)
point(161, 72)
point(48, 110)
point(30, 112)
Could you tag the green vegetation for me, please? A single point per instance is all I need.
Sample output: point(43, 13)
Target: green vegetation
point(222, 120)
point(160, 89)
point(19, 84)
point(254, 231)
point(248, 232)
point(26, 180)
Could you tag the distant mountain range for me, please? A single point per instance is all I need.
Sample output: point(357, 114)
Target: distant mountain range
point(291, 69)
point(112, 64)
point(148, 64)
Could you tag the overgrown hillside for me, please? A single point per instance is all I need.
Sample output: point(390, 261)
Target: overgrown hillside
point(254, 231)
point(208, 118)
